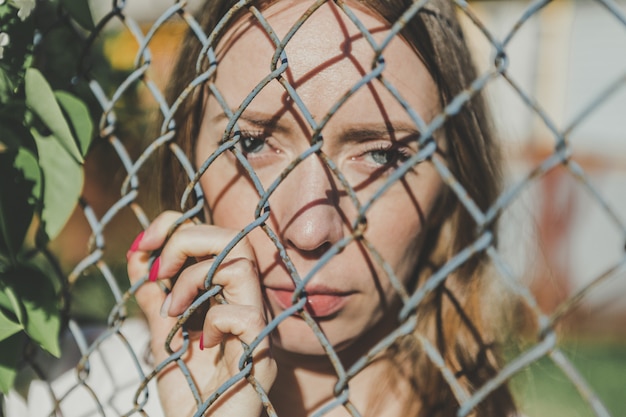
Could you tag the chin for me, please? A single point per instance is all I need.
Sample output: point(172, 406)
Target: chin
point(294, 335)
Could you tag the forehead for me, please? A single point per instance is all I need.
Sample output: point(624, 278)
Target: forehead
point(326, 57)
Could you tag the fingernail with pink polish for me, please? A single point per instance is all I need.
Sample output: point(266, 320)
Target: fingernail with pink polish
point(201, 342)
point(135, 245)
point(165, 308)
point(154, 271)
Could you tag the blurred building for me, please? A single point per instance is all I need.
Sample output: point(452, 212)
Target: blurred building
point(565, 230)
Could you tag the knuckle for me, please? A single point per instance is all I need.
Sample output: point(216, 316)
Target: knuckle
point(235, 269)
point(239, 319)
point(255, 319)
point(175, 249)
point(245, 246)
point(270, 372)
point(246, 266)
point(156, 232)
point(168, 215)
point(174, 241)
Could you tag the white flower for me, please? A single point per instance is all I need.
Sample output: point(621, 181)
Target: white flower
point(4, 41)
point(25, 8)
point(2, 2)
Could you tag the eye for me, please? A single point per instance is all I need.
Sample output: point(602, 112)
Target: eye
point(259, 147)
point(388, 156)
point(251, 144)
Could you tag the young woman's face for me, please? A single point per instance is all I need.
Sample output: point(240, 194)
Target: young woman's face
point(367, 139)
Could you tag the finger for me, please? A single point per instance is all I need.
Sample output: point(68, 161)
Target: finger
point(155, 235)
point(238, 277)
point(149, 240)
point(137, 266)
point(233, 324)
point(149, 295)
point(200, 241)
point(243, 322)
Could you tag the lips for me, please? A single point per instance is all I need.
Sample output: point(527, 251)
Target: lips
point(320, 303)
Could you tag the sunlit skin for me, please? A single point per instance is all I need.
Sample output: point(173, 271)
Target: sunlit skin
point(351, 298)
point(309, 210)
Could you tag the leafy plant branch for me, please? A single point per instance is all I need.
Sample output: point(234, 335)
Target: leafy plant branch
point(45, 134)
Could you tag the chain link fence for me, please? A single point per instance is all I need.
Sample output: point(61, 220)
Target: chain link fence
point(107, 369)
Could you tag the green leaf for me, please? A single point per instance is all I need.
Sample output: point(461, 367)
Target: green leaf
point(16, 205)
point(79, 118)
point(42, 319)
point(79, 10)
point(62, 183)
point(10, 301)
point(8, 327)
point(8, 86)
point(41, 100)
point(5, 301)
point(27, 163)
point(10, 354)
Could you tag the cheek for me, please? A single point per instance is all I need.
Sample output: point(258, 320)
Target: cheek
point(397, 222)
point(232, 201)
point(230, 195)
point(397, 237)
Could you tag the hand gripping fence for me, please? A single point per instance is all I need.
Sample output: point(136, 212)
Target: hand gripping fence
point(90, 349)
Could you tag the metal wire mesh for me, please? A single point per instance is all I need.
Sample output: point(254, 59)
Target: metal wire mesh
point(115, 376)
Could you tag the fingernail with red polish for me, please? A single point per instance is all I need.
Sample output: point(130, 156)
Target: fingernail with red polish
point(154, 271)
point(135, 245)
point(201, 342)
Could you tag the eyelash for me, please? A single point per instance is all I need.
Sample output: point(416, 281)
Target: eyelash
point(257, 138)
point(398, 154)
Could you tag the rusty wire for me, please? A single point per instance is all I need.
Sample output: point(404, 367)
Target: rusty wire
point(142, 373)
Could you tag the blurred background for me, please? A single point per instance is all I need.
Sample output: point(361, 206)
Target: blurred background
point(562, 233)
point(558, 237)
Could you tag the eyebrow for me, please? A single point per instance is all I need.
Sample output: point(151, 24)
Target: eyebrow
point(258, 119)
point(358, 132)
point(362, 132)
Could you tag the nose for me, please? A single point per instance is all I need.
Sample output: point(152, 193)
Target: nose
point(311, 220)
